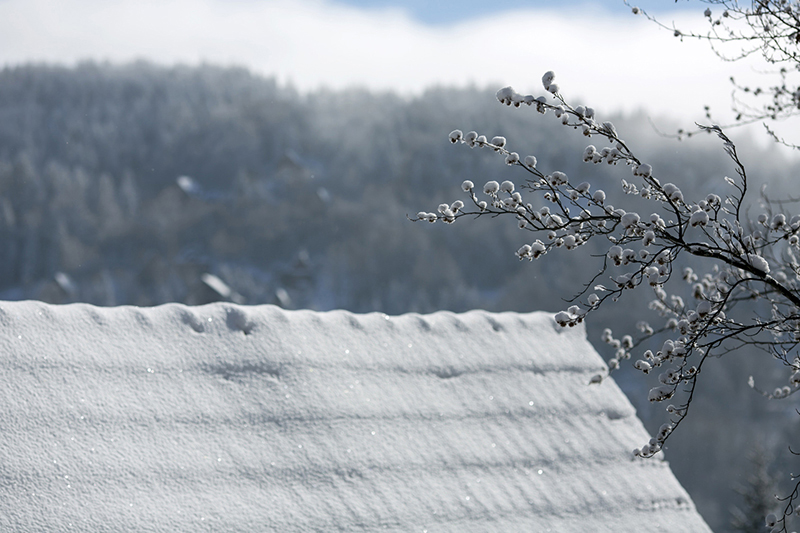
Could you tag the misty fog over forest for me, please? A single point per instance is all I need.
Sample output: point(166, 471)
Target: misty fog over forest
point(142, 185)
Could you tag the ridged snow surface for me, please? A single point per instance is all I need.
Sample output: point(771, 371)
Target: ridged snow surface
point(229, 418)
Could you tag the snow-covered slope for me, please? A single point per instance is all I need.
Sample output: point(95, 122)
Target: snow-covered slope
point(229, 418)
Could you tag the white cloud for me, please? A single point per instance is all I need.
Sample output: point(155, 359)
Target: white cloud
point(612, 62)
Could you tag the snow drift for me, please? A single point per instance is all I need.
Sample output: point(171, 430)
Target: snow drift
point(231, 418)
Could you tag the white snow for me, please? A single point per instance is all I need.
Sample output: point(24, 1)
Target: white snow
point(758, 262)
point(231, 418)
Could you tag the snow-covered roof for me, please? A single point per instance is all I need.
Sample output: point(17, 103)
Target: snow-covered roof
point(231, 418)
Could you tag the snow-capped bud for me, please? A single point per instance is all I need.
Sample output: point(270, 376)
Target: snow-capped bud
point(470, 138)
point(467, 186)
point(629, 220)
point(673, 192)
point(643, 170)
point(699, 218)
point(482, 205)
point(771, 520)
point(778, 221)
point(455, 136)
point(589, 152)
point(537, 248)
point(668, 347)
point(627, 342)
point(481, 141)
point(593, 299)
point(498, 141)
point(563, 318)
point(624, 281)
point(457, 205)
point(491, 188)
point(505, 95)
point(599, 196)
point(659, 394)
point(615, 254)
point(547, 79)
point(530, 161)
point(762, 218)
point(512, 158)
point(553, 88)
point(628, 256)
point(507, 186)
point(557, 178)
point(540, 102)
point(704, 308)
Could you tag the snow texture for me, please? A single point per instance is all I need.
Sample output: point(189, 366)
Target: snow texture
point(230, 418)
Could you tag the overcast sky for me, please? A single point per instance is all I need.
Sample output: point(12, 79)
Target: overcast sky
point(603, 55)
point(450, 11)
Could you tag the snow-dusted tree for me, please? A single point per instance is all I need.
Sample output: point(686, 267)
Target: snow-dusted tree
point(745, 295)
point(769, 28)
